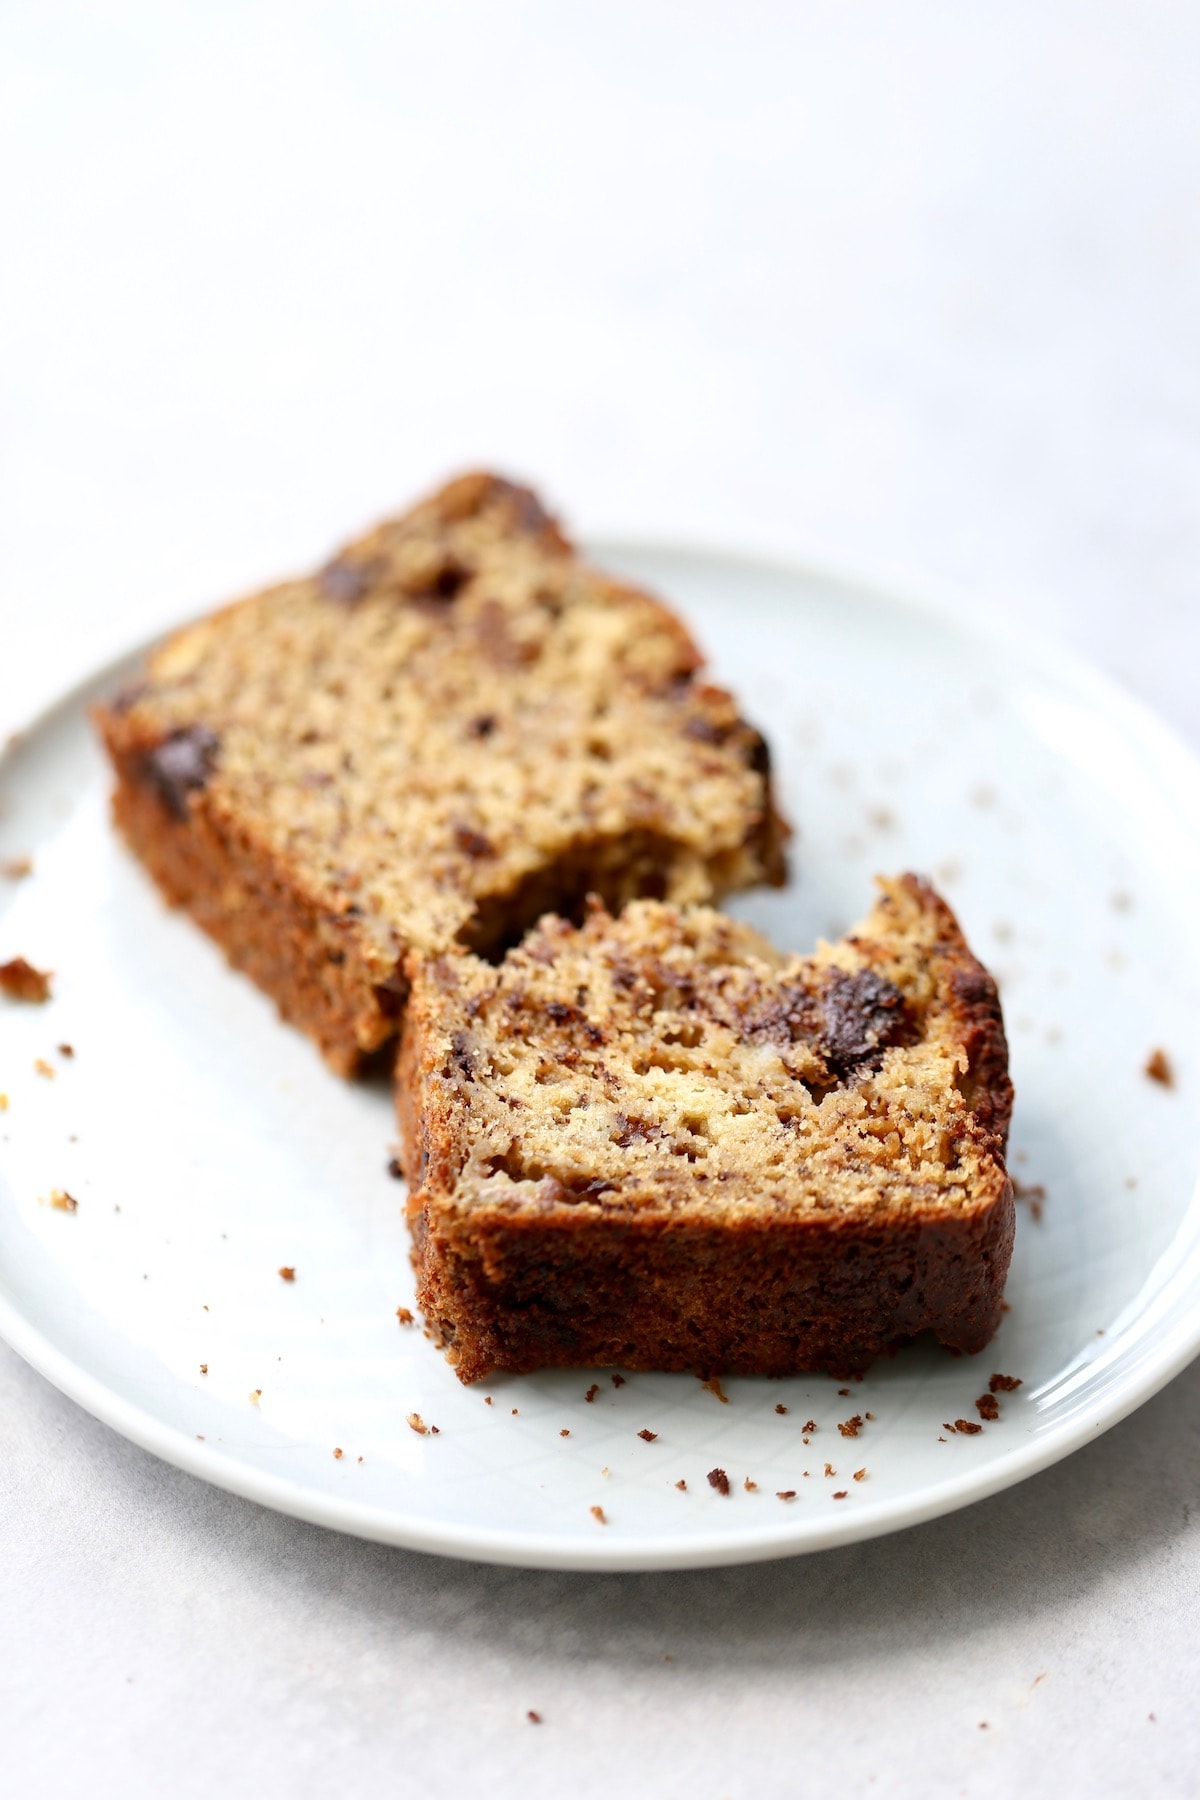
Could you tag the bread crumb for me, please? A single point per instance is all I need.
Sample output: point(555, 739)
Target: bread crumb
point(487, 1399)
point(42, 1067)
point(841, 1494)
point(62, 1201)
point(1158, 1065)
point(406, 1318)
point(592, 1392)
point(337, 1455)
point(967, 1426)
point(618, 1380)
point(535, 1718)
point(395, 1169)
point(1034, 1196)
point(3, 1102)
point(988, 1407)
point(870, 1418)
point(860, 1474)
point(648, 1437)
point(564, 1432)
point(204, 1368)
point(682, 1486)
point(416, 1423)
point(255, 1396)
point(287, 1274)
point(829, 1470)
point(780, 1407)
point(851, 1427)
point(713, 1386)
point(21, 981)
point(751, 1487)
point(786, 1494)
point(66, 1050)
point(717, 1478)
point(516, 1411)
point(598, 1514)
point(1004, 1384)
point(16, 868)
point(844, 1393)
point(809, 1426)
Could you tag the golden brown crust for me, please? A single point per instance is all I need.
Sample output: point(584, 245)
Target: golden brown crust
point(453, 726)
point(307, 958)
point(655, 1142)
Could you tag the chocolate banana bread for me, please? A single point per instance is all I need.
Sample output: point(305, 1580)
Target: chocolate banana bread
point(653, 1141)
point(453, 727)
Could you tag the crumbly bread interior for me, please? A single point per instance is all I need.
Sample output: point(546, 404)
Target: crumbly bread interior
point(453, 726)
point(671, 1062)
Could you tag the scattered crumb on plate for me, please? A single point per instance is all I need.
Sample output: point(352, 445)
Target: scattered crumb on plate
point(21, 981)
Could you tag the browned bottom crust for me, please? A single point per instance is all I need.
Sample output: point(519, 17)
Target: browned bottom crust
point(660, 1293)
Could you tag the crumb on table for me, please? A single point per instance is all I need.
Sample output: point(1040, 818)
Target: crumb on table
point(19, 980)
point(287, 1273)
point(1158, 1066)
point(717, 1478)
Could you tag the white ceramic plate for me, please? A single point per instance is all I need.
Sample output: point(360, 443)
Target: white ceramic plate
point(207, 1147)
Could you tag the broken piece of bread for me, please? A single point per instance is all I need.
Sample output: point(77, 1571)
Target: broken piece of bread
point(452, 728)
point(654, 1142)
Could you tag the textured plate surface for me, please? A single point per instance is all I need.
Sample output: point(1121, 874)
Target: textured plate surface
point(207, 1147)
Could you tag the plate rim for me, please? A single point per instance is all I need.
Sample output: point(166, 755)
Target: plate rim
point(1179, 1345)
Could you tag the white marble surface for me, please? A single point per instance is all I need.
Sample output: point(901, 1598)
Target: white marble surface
point(912, 287)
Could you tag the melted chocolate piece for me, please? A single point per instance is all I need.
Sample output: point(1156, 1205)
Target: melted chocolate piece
point(473, 843)
point(758, 753)
point(449, 581)
point(345, 583)
point(861, 1014)
point(181, 765)
point(127, 698)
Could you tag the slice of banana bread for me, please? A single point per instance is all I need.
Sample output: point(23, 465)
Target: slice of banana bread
point(452, 728)
point(655, 1142)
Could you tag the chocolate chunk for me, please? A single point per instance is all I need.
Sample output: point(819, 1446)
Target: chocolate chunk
point(181, 765)
point(758, 753)
point(861, 1014)
point(704, 731)
point(345, 583)
point(450, 579)
point(473, 843)
point(127, 698)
